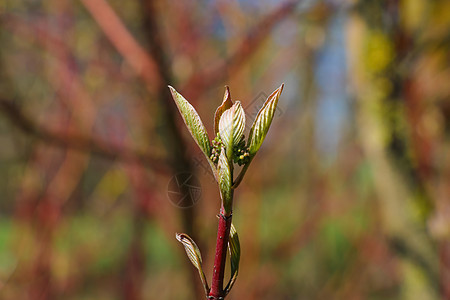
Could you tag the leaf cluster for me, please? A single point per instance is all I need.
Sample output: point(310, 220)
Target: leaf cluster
point(226, 149)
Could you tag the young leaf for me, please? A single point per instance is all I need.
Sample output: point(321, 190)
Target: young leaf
point(231, 127)
point(235, 256)
point(262, 122)
point(193, 122)
point(224, 174)
point(194, 256)
point(226, 104)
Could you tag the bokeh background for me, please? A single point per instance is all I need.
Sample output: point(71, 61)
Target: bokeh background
point(349, 197)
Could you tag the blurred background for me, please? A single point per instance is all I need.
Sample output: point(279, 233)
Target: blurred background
point(349, 197)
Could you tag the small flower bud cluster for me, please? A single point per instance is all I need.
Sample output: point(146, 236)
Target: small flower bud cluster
point(240, 153)
point(216, 148)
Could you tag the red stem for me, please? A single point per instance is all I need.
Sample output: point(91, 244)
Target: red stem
point(223, 234)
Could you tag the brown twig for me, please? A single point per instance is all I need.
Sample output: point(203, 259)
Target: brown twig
point(76, 141)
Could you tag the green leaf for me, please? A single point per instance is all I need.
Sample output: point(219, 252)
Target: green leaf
point(225, 181)
point(262, 122)
point(226, 104)
point(193, 253)
point(193, 122)
point(231, 127)
point(235, 256)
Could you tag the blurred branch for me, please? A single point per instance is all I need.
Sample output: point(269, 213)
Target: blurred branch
point(402, 248)
point(174, 142)
point(147, 67)
point(37, 30)
point(153, 69)
point(138, 58)
point(75, 141)
point(249, 45)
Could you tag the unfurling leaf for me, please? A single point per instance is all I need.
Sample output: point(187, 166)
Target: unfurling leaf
point(231, 127)
point(191, 249)
point(235, 255)
point(226, 104)
point(194, 256)
point(262, 122)
point(225, 181)
point(192, 121)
